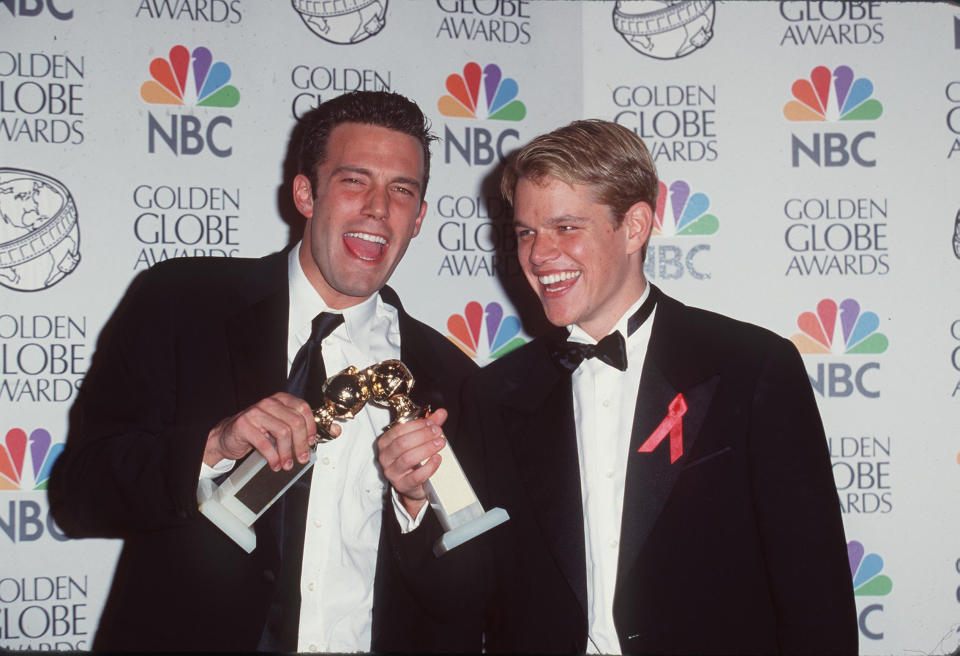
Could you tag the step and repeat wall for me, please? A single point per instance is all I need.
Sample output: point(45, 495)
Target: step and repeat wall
point(809, 156)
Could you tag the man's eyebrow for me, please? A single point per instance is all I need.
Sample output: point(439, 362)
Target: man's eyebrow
point(351, 169)
point(555, 221)
point(567, 218)
point(413, 182)
point(346, 168)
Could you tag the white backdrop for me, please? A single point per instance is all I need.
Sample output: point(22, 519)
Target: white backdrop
point(808, 152)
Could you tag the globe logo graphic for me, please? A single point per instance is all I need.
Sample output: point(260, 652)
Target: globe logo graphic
point(343, 21)
point(664, 29)
point(956, 235)
point(39, 235)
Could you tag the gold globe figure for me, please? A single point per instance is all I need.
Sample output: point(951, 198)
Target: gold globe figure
point(390, 386)
point(344, 395)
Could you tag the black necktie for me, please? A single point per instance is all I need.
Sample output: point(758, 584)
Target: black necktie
point(307, 375)
point(612, 349)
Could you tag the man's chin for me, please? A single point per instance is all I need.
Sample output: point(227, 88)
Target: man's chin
point(361, 284)
point(557, 316)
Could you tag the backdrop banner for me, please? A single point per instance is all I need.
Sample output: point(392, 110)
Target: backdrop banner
point(805, 150)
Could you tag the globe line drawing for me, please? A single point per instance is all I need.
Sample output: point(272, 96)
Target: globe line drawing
point(39, 231)
point(343, 21)
point(664, 29)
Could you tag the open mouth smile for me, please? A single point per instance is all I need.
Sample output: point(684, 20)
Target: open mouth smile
point(366, 246)
point(558, 282)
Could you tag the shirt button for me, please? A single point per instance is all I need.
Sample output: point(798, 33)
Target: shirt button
point(606, 403)
point(325, 460)
point(609, 473)
point(613, 544)
point(317, 523)
point(311, 586)
point(312, 647)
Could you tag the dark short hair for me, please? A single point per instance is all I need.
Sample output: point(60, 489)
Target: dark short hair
point(382, 108)
point(607, 157)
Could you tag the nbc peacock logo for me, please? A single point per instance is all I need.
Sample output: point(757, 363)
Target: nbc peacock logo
point(851, 99)
point(14, 474)
point(866, 571)
point(868, 581)
point(498, 102)
point(839, 330)
point(501, 334)
point(189, 78)
point(688, 212)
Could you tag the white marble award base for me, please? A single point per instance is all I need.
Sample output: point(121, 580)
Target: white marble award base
point(247, 493)
point(456, 505)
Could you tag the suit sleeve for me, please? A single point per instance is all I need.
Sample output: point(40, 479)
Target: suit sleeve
point(450, 590)
point(128, 466)
point(799, 512)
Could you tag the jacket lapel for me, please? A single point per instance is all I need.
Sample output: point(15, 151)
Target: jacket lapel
point(257, 337)
point(537, 414)
point(671, 367)
point(257, 343)
point(257, 340)
point(418, 356)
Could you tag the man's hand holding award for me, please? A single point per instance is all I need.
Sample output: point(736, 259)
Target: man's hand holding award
point(253, 487)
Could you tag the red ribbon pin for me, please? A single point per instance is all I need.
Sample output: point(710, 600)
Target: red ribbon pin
point(672, 424)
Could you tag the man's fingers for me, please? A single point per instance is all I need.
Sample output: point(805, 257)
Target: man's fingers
point(408, 454)
point(416, 457)
point(410, 484)
point(438, 416)
point(285, 419)
point(418, 476)
point(402, 451)
point(278, 451)
point(280, 427)
point(401, 432)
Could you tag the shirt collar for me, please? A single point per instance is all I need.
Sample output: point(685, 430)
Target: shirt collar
point(578, 334)
point(306, 303)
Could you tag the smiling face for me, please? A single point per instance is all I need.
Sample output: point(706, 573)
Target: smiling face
point(366, 208)
point(585, 268)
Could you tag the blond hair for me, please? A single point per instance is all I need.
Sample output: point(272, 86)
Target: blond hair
point(608, 157)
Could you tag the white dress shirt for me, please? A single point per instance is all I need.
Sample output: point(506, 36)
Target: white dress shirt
point(346, 488)
point(604, 401)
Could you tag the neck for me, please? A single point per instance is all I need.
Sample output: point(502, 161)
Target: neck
point(599, 330)
point(331, 297)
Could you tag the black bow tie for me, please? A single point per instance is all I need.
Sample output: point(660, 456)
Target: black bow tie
point(611, 350)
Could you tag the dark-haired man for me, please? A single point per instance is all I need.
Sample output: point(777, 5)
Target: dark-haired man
point(192, 375)
point(665, 468)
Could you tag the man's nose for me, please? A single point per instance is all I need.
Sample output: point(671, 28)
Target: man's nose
point(378, 202)
point(543, 249)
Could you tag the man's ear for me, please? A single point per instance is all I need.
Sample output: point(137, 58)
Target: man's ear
point(423, 213)
point(303, 195)
point(638, 222)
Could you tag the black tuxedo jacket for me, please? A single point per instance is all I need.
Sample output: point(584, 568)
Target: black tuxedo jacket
point(737, 547)
point(195, 341)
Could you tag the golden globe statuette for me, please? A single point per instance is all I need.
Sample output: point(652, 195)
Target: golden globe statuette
point(448, 490)
point(253, 487)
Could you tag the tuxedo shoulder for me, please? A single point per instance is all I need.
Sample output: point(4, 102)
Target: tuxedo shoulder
point(722, 333)
point(530, 358)
point(214, 280)
point(204, 271)
point(442, 348)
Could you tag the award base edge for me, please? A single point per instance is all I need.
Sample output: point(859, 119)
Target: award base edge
point(457, 536)
point(223, 519)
